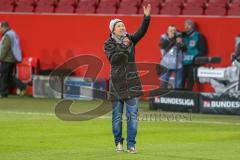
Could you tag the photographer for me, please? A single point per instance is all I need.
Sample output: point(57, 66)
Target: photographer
point(172, 46)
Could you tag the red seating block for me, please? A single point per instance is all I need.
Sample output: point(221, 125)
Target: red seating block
point(25, 5)
point(155, 6)
point(216, 7)
point(66, 6)
point(47, 6)
point(193, 9)
point(234, 10)
point(171, 7)
point(6, 6)
point(87, 6)
point(108, 6)
point(129, 7)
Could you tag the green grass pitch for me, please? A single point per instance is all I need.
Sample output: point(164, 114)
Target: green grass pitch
point(29, 130)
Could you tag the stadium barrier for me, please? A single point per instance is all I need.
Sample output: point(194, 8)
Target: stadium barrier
point(84, 89)
point(209, 103)
point(75, 88)
point(180, 101)
point(220, 103)
point(41, 88)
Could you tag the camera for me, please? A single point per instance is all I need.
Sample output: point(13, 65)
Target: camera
point(179, 34)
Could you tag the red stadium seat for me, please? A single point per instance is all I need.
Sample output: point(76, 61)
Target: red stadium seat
point(171, 7)
point(129, 7)
point(234, 10)
point(66, 6)
point(217, 1)
point(46, 6)
point(26, 69)
point(234, 2)
point(155, 6)
point(108, 6)
point(216, 7)
point(196, 1)
point(6, 6)
point(194, 8)
point(25, 5)
point(173, 1)
point(87, 6)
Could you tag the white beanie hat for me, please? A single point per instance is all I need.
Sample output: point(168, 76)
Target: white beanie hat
point(112, 24)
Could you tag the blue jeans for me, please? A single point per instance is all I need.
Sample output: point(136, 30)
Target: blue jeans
point(132, 120)
point(178, 78)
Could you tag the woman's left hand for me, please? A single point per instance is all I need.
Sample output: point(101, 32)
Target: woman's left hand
point(147, 10)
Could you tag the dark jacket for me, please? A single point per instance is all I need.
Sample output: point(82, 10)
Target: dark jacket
point(124, 80)
point(238, 50)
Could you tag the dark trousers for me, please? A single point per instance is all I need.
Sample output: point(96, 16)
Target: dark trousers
point(8, 79)
point(188, 79)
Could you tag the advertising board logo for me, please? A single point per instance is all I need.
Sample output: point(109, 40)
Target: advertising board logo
point(206, 104)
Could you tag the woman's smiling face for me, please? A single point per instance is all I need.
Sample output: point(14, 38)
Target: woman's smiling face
point(119, 29)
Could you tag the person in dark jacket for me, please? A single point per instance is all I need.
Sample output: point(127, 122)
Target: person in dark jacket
point(196, 47)
point(10, 54)
point(125, 85)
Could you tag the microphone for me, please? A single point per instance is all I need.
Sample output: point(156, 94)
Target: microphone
point(125, 34)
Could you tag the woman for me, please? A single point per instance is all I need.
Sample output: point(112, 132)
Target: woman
point(125, 85)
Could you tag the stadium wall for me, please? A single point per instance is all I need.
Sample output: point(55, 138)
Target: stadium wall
point(55, 38)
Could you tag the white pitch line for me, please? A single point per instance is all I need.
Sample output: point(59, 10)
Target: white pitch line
point(29, 113)
point(214, 122)
point(109, 117)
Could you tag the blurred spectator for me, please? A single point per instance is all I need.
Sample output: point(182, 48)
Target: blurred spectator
point(236, 54)
point(10, 54)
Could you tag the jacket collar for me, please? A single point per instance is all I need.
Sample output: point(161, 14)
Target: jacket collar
point(189, 33)
point(6, 31)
